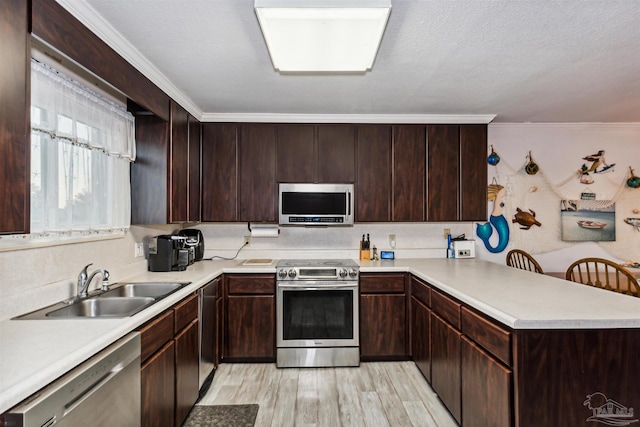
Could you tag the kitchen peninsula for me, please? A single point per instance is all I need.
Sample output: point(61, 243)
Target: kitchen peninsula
point(566, 341)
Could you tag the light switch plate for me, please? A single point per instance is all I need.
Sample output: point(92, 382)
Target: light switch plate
point(139, 249)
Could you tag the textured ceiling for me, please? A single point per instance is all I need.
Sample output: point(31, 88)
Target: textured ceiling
point(523, 61)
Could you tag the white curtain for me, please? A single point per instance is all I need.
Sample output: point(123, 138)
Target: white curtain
point(81, 148)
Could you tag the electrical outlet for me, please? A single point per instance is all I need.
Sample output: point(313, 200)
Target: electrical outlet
point(247, 240)
point(392, 240)
point(447, 231)
point(138, 249)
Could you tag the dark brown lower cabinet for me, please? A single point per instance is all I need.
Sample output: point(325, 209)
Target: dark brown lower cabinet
point(250, 310)
point(421, 337)
point(187, 370)
point(157, 378)
point(486, 388)
point(383, 317)
point(445, 364)
point(170, 353)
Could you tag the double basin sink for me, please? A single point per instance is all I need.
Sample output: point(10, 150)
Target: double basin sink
point(122, 300)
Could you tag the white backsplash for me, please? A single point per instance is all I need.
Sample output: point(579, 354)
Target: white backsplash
point(412, 240)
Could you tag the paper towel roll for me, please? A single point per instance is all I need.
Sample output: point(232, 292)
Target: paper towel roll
point(264, 230)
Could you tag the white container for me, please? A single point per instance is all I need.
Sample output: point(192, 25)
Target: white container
point(464, 248)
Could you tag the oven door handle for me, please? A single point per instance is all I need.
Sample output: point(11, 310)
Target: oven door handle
point(315, 287)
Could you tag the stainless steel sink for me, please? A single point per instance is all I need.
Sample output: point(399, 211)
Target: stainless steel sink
point(103, 307)
point(143, 289)
point(122, 300)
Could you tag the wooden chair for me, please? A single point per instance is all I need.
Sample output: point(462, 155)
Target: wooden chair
point(520, 259)
point(604, 274)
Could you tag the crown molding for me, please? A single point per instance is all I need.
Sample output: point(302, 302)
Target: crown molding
point(571, 125)
point(349, 118)
point(91, 19)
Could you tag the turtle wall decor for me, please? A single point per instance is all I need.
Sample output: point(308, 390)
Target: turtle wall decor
point(525, 219)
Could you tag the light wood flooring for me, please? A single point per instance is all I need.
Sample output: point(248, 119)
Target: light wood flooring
point(374, 394)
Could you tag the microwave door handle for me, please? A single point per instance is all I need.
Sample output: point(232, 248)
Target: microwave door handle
point(349, 199)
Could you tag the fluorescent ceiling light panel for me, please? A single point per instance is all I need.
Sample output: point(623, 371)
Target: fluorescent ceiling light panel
point(322, 36)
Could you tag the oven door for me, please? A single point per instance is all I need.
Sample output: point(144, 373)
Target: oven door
point(317, 314)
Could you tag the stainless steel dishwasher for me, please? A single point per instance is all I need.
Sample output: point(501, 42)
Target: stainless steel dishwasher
point(103, 391)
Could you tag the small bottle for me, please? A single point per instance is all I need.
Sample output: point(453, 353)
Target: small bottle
point(450, 253)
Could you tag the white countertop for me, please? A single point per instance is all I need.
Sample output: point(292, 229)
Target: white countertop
point(33, 353)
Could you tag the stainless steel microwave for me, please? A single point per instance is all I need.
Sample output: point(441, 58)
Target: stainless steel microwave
point(315, 204)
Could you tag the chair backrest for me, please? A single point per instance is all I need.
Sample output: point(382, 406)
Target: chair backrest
point(604, 274)
point(520, 259)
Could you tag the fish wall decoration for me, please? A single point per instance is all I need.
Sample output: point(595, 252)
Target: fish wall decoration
point(635, 222)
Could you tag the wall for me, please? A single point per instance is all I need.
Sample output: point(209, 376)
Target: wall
point(36, 277)
point(412, 240)
point(558, 149)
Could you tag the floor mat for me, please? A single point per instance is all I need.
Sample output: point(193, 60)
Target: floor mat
point(222, 416)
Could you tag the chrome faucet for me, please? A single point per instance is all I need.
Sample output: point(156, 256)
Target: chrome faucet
point(84, 279)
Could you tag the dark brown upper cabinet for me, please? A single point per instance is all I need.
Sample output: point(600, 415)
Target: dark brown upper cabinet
point(409, 173)
point(473, 173)
point(296, 153)
point(373, 184)
point(443, 153)
point(14, 118)
point(179, 164)
point(219, 172)
point(336, 153)
point(195, 142)
point(456, 172)
point(160, 175)
point(257, 171)
point(316, 153)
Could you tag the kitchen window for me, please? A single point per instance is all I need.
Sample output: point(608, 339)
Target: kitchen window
point(81, 146)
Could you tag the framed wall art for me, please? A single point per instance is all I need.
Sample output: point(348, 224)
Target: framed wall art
point(593, 222)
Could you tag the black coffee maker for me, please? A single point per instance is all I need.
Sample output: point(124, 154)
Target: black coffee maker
point(194, 240)
point(168, 253)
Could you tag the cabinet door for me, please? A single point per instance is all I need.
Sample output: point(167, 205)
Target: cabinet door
point(473, 168)
point(421, 337)
point(194, 170)
point(14, 117)
point(219, 172)
point(296, 153)
point(336, 153)
point(486, 388)
point(258, 190)
point(187, 371)
point(179, 163)
point(149, 173)
point(445, 364)
point(158, 393)
point(383, 326)
point(443, 173)
point(250, 327)
point(409, 177)
point(373, 186)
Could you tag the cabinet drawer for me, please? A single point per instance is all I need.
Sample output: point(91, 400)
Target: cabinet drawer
point(421, 291)
point(446, 308)
point(155, 334)
point(186, 311)
point(251, 285)
point(492, 337)
point(382, 284)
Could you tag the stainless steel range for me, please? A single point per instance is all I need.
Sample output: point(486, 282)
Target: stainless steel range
point(317, 313)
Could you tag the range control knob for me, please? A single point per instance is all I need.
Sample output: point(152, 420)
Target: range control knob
point(292, 273)
point(282, 273)
point(353, 273)
point(343, 272)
